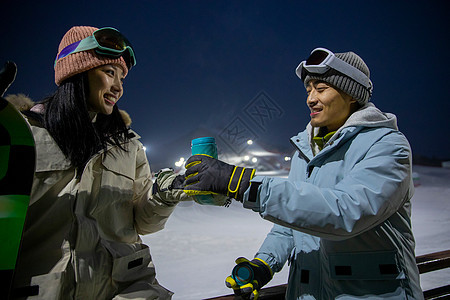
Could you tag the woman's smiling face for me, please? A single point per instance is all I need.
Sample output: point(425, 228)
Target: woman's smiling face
point(105, 88)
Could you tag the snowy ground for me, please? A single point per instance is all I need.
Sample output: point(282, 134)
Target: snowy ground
point(196, 251)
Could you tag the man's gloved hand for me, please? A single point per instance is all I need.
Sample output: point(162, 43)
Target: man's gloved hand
point(7, 76)
point(248, 277)
point(206, 175)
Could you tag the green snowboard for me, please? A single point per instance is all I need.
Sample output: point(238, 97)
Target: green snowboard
point(17, 165)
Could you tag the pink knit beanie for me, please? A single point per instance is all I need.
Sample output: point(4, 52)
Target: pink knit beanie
point(81, 61)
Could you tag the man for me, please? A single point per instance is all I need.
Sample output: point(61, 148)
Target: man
point(342, 217)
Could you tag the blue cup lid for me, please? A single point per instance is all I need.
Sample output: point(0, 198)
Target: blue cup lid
point(203, 140)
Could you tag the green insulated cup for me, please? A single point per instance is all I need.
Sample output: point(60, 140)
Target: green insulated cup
point(204, 145)
point(242, 274)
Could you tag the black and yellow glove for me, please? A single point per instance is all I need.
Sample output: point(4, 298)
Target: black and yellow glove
point(206, 175)
point(248, 277)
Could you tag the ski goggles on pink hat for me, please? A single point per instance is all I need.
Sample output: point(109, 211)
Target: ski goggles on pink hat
point(321, 60)
point(105, 41)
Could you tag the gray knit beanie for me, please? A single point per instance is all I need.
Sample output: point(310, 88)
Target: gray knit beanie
point(344, 83)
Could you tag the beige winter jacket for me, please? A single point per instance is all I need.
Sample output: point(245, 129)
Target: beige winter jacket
point(81, 238)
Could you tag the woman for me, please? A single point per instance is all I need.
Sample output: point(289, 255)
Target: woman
point(92, 192)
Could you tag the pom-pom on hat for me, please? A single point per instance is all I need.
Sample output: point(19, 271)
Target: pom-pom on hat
point(343, 82)
point(79, 62)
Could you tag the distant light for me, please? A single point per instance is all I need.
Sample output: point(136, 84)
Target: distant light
point(180, 162)
point(145, 148)
point(250, 142)
point(254, 159)
point(246, 157)
point(287, 158)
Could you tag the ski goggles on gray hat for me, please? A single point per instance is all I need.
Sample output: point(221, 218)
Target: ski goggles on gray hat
point(322, 60)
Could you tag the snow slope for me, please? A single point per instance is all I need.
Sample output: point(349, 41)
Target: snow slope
point(196, 251)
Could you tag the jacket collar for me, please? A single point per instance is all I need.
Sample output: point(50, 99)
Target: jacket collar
point(367, 116)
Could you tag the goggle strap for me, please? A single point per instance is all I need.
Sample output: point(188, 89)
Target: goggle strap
point(338, 65)
point(83, 45)
point(88, 43)
point(350, 71)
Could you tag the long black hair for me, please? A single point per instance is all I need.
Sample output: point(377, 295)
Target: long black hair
point(67, 120)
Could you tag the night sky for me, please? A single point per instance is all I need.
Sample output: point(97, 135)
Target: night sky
point(207, 64)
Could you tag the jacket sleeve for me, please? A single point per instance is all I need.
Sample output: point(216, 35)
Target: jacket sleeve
point(150, 213)
point(277, 247)
point(374, 189)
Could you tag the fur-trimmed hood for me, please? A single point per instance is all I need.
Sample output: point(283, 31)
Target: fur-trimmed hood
point(22, 102)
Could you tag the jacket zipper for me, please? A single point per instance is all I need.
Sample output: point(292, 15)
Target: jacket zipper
point(300, 152)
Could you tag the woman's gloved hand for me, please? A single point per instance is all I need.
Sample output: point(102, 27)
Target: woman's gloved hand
point(7, 76)
point(206, 175)
point(248, 277)
point(168, 187)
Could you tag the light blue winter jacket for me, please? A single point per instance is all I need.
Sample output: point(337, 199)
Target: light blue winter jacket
point(342, 218)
